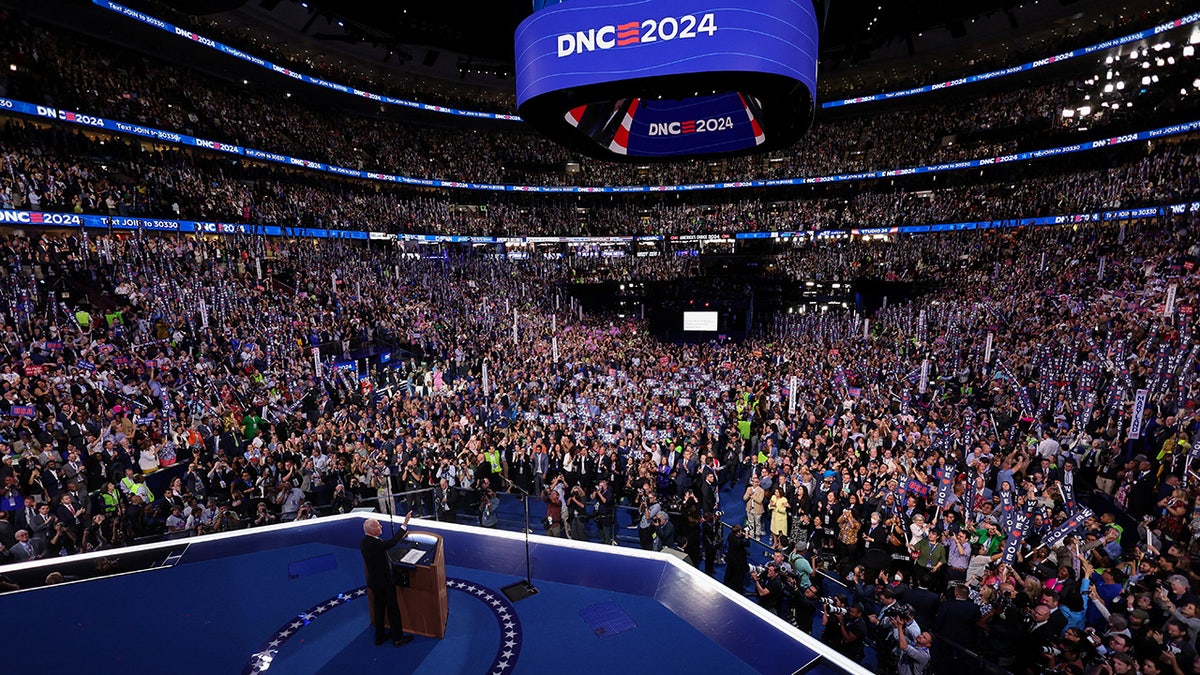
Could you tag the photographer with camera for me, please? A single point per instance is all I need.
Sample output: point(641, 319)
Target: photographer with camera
point(226, 519)
point(577, 514)
point(914, 654)
point(305, 512)
point(843, 628)
point(649, 509)
point(489, 504)
point(768, 584)
point(602, 498)
point(710, 539)
point(1004, 626)
point(887, 643)
point(736, 560)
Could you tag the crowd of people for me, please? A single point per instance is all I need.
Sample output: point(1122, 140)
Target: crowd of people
point(186, 356)
point(998, 470)
point(52, 168)
point(56, 69)
point(843, 73)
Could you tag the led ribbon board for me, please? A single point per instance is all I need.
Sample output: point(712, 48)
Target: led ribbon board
point(662, 79)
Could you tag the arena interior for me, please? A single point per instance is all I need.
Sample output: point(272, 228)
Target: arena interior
point(921, 386)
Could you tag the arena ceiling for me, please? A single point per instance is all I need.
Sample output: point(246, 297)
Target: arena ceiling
point(485, 29)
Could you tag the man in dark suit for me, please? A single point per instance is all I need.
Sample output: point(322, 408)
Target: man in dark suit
point(708, 493)
point(27, 548)
point(1141, 494)
point(924, 603)
point(69, 514)
point(957, 620)
point(380, 581)
point(1041, 630)
point(23, 519)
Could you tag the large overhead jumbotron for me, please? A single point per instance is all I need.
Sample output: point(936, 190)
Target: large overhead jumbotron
point(665, 79)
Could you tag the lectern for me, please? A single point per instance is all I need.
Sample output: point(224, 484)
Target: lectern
point(420, 570)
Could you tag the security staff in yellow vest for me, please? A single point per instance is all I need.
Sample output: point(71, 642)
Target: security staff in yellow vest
point(110, 497)
point(493, 459)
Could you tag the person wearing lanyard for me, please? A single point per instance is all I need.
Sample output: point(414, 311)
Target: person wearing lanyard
point(958, 557)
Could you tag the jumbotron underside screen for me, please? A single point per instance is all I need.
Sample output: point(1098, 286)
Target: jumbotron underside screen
point(662, 79)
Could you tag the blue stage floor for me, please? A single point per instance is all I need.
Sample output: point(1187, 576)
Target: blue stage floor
point(231, 606)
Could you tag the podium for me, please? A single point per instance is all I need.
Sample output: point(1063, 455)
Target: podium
point(423, 598)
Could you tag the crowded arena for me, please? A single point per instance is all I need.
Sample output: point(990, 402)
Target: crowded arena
point(943, 418)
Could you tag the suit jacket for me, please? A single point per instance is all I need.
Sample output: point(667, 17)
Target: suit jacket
point(375, 558)
point(924, 603)
point(957, 619)
point(66, 517)
point(541, 463)
point(39, 527)
point(20, 554)
point(441, 496)
point(708, 496)
point(7, 534)
point(22, 520)
point(754, 500)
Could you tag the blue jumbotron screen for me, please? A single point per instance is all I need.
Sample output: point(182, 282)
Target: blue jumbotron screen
point(668, 78)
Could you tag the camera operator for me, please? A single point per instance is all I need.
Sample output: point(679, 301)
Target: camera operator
point(843, 628)
point(577, 514)
point(768, 583)
point(914, 655)
point(447, 472)
point(800, 604)
point(342, 501)
point(1039, 635)
point(649, 508)
point(736, 563)
point(411, 480)
point(1004, 626)
point(602, 497)
point(226, 519)
point(489, 504)
point(263, 516)
point(306, 512)
point(887, 642)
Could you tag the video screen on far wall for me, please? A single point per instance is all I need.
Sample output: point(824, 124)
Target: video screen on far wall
point(700, 321)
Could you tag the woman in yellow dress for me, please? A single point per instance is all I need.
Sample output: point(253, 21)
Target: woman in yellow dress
point(779, 520)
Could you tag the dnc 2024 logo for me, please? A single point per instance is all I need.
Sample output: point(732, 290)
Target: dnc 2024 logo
point(636, 33)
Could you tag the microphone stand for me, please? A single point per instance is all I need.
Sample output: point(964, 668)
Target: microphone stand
point(391, 507)
point(521, 589)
